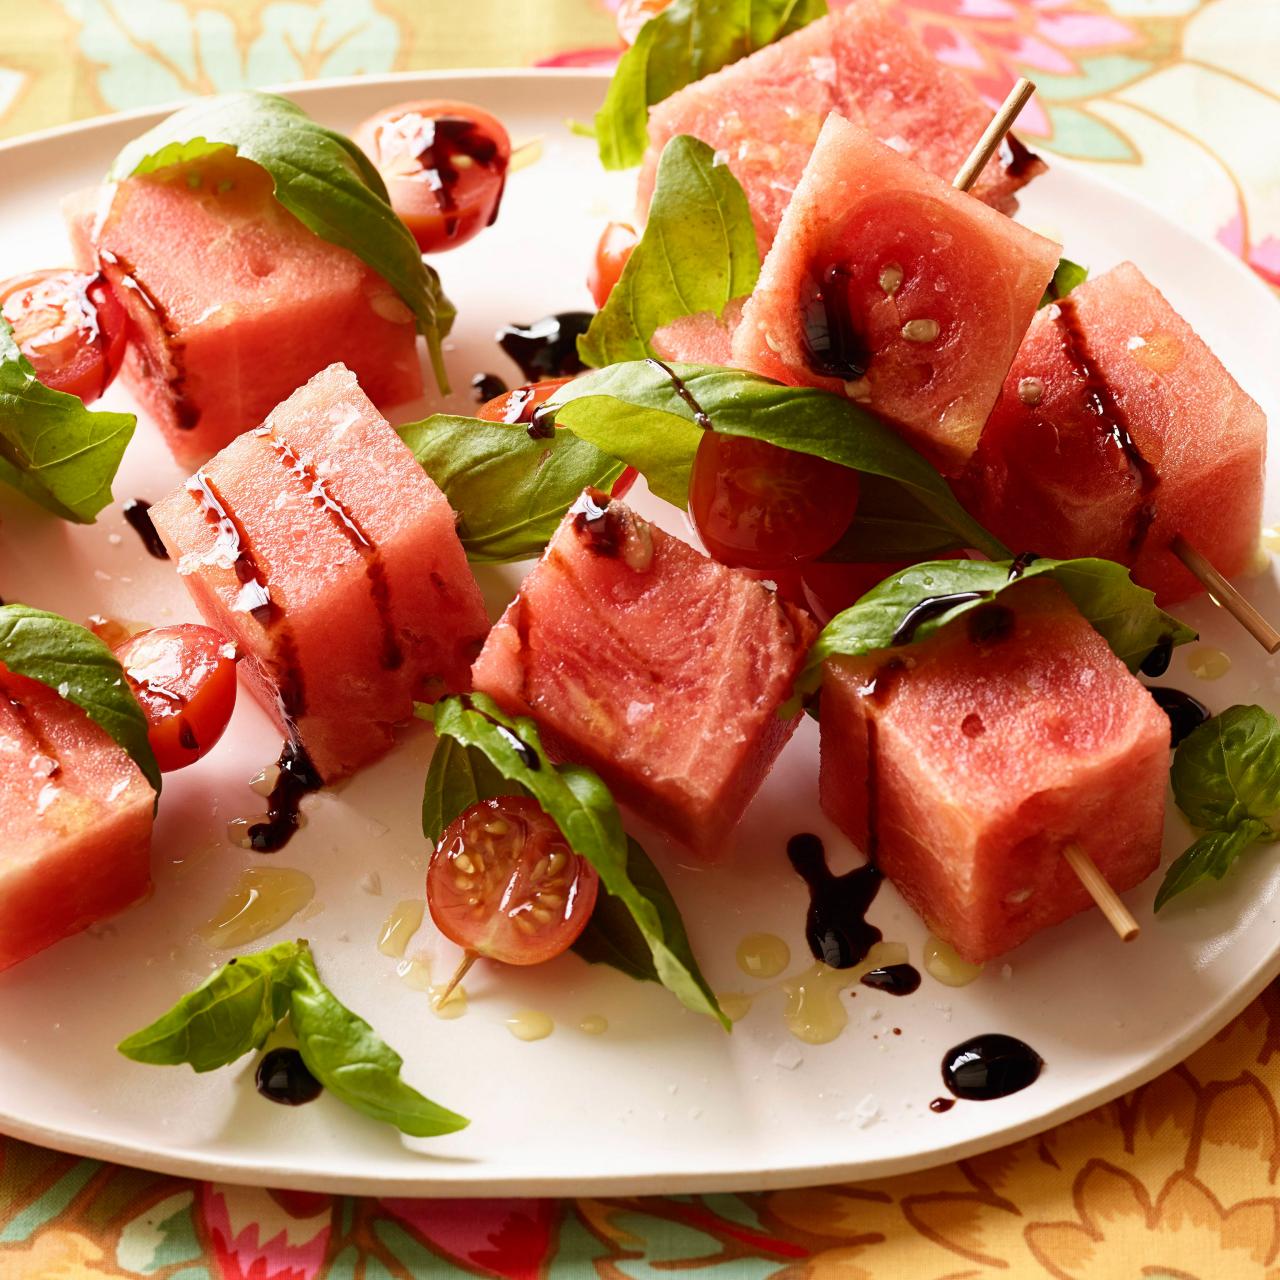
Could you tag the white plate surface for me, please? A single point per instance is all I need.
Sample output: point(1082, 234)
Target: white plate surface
point(663, 1101)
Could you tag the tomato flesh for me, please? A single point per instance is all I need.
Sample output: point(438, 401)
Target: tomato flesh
point(519, 406)
point(184, 678)
point(70, 325)
point(445, 166)
point(616, 242)
point(503, 883)
point(758, 506)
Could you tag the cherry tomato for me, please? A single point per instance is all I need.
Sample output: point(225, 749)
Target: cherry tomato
point(445, 166)
point(614, 248)
point(518, 406)
point(758, 506)
point(184, 678)
point(70, 325)
point(633, 14)
point(504, 883)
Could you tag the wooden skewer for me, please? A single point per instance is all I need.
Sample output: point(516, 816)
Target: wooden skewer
point(1118, 915)
point(1000, 124)
point(1225, 594)
point(458, 974)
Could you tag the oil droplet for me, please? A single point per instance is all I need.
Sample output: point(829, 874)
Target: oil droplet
point(735, 1004)
point(814, 1010)
point(1160, 352)
point(1207, 663)
point(530, 1024)
point(414, 974)
point(763, 955)
point(400, 926)
point(942, 963)
point(454, 1007)
point(594, 1024)
point(1271, 538)
point(261, 901)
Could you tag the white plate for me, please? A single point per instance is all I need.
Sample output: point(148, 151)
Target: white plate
point(664, 1101)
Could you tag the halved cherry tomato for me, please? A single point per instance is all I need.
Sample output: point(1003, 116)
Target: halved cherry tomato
point(70, 325)
point(758, 506)
point(184, 678)
point(633, 14)
point(519, 405)
point(445, 166)
point(504, 883)
point(616, 242)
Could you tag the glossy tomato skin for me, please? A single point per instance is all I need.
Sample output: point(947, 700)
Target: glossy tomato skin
point(519, 406)
point(613, 250)
point(757, 506)
point(184, 678)
point(445, 166)
point(70, 325)
point(503, 883)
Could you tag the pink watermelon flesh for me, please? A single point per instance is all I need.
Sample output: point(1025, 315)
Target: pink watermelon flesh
point(655, 666)
point(763, 113)
point(931, 289)
point(77, 821)
point(700, 339)
point(1052, 474)
point(372, 601)
point(965, 765)
point(235, 303)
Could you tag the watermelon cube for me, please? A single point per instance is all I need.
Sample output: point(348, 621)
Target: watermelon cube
point(1118, 428)
point(701, 338)
point(889, 285)
point(77, 813)
point(321, 547)
point(234, 303)
point(658, 668)
point(965, 764)
point(763, 113)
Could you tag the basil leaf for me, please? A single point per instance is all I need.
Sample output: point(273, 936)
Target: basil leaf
point(698, 253)
point(229, 1014)
point(509, 490)
point(1213, 854)
point(891, 524)
point(1124, 613)
point(686, 41)
point(74, 663)
point(805, 419)
point(580, 805)
point(458, 778)
point(320, 177)
point(354, 1063)
point(1066, 277)
point(1227, 771)
point(53, 449)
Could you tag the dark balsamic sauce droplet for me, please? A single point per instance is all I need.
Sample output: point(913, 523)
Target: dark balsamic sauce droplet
point(547, 348)
point(895, 979)
point(681, 388)
point(836, 927)
point(137, 515)
point(282, 1077)
point(186, 736)
point(928, 609)
point(528, 756)
point(487, 386)
point(990, 1066)
point(1184, 712)
point(1021, 563)
point(595, 521)
point(833, 346)
point(297, 778)
point(941, 1105)
point(1156, 663)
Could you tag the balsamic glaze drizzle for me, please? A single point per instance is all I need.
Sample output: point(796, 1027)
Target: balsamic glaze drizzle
point(137, 515)
point(833, 346)
point(597, 524)
point(442, 143)
point(282, 1077)
point(297, 778)
point(528, 756)
point(1184, 712)
point(929, 608)
point(547, 348)
point(255, 595)
point(836, 927)
point(990, 1066)
point(681, 389)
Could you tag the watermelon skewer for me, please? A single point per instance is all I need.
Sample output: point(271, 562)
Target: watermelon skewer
point(1228, 596)
point(993, 134)
point(1119, 917)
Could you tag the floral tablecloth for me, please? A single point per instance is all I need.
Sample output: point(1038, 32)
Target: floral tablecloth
point(1177, 99)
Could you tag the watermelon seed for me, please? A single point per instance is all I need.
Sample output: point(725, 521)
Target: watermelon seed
point(920, 330)
point(1030, 390)
point(891, 277)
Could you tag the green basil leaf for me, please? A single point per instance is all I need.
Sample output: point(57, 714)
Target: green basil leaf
point(1124, 613)
point(229, 1014)
point(74, 663)
point(457, 778)
point(320, 177)
point(892, 524)
point(53, 449)
point(1066, 277)
point(580, 805)
point(804, 419)
point(1212, 855)
point(697, 254)
point(1227, 771)
point(510, 491)
point(354, 1063)
point(686, 41)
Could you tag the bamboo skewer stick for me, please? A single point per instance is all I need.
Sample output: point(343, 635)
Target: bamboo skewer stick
point(1225, 594)
point(458, 974)
point(1118, 915)
point(1000, 124)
